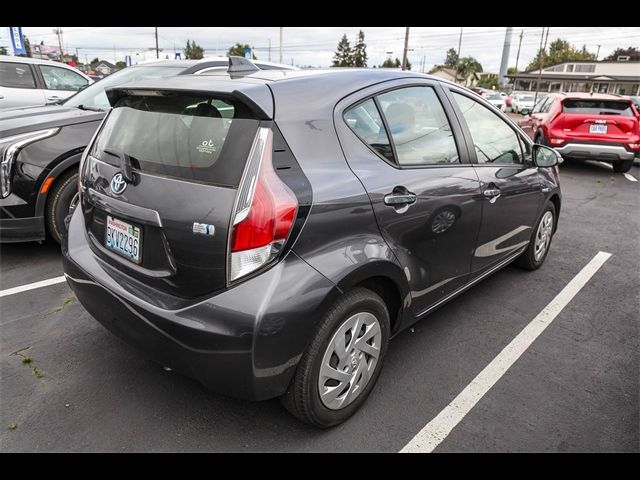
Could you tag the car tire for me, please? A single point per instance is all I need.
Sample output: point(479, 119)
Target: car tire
point(303, 396)
point(58, 204)
point(622, 166)
point(532, 258)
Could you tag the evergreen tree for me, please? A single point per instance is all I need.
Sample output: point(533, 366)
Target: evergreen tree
point(389, 63)
point(193, 51)
point(360, 52)
point(344, 55)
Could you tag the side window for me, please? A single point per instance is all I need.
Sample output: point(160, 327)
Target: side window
point(16, 75)
point(419, 127)
point(364, 119)
point(494, 140)
point(547, 106)
point(56, 78)
point(540, 106)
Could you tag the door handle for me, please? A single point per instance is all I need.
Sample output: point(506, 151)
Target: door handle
point(492, 194)
point(399, 199)
point(53, 97)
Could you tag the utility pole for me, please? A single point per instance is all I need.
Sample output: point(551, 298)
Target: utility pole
point(269, 49)
point(77, 56)
point(535, 98)
point(114, 55)
point(598, 52)
point(280, 45)
point(504, 64)
point(406, 46)
point(157, 51)
point(58, 32)
point(519, 45)
point(458, 56)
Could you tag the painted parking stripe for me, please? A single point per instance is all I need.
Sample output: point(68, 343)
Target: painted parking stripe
point(630, 177)
point(31, 286)
point(442, 424)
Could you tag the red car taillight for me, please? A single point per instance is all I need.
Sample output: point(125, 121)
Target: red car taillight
point(634, 146)
point(264, 214)
point(556, 141)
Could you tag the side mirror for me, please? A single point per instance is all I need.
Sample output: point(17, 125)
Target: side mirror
point(544, 156)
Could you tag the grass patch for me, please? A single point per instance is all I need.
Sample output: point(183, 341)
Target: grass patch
point(28, 361)
point(12, 426)
point(68, 299)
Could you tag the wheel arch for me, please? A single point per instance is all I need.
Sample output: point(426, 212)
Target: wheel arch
point(64, 163)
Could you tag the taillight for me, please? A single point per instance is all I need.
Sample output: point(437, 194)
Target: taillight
point(264, 214)
point(634, 146)
point(556, 141)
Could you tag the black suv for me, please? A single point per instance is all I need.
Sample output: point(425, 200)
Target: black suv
point(267, 233)
point(40, 149)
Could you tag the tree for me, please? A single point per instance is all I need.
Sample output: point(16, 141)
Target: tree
point(120, 64)
point(389, 63)
point(238, 51)
point(27, 47)
point(467, 66)
point(632, 52)
point(512, 71)
point(451, 58)
point(95, 61)
point(491, 83)
point(344, 55)
point(360, 52)
point(560, 51)
point(193, 51)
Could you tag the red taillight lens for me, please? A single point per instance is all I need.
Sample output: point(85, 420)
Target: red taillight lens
point(634, 146)
point(260, 231)
point(556, 141)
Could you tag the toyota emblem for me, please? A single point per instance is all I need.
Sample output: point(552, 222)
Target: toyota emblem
point(118, 184)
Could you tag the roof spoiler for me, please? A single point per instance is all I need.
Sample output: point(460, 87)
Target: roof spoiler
point(241, 65)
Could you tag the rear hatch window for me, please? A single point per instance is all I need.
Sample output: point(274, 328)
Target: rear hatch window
point(193, 137)
point(589, 106)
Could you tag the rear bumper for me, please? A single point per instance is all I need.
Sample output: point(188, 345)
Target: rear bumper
point(595, 151)
point(21, 229)
point(244, 342)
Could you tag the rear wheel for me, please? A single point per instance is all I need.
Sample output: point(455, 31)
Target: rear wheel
point(540, 139)
point(533, 257)
point(622, 166)
point(342, 364)
point(59, 202)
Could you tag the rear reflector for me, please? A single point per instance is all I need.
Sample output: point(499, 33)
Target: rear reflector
point(264, 214)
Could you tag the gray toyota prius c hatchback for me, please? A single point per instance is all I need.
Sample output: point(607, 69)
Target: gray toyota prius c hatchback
point(268, 232)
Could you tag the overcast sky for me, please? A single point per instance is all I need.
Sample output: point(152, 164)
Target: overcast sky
point(315, 45)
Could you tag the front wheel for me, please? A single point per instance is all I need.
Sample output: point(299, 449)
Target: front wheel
point(342, 364)
point(535, 254)
point(58, 204)
point(622, 166)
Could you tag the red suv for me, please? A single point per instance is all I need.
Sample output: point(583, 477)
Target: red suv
point(587, 127)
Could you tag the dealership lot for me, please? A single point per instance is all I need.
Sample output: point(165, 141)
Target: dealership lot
point(575, 388)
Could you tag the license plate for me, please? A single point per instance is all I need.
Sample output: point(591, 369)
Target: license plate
point(598, 129)
point(124, 238)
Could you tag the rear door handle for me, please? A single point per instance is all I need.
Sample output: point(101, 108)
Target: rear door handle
point(491, 193)
point(399, 199)
point(53, 97)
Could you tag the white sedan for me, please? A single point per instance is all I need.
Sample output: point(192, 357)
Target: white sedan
point(522, 103)
point(495, 99)
point(28, 81)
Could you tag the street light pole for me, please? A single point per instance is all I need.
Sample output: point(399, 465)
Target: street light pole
point(280, 44)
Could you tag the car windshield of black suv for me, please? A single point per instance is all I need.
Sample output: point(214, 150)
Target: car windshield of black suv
point(94, 96)
point(188, 136)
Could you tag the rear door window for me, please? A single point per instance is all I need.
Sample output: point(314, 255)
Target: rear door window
point(597, 107)
point(419, 127)
point(16, 75)
point(365, 120)
point(56, 78)
point(193, 137)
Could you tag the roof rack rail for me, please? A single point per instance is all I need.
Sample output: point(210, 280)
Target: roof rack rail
point(241, 64)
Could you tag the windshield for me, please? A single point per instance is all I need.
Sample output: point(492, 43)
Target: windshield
point(94, 96)
point(494, 96)
point(526, 98)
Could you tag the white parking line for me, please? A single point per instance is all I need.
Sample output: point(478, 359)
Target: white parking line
point(439, 428)
point(31, 286)
point(630, 177)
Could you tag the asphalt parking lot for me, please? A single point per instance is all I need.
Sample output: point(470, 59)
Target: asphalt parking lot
point(575, 388)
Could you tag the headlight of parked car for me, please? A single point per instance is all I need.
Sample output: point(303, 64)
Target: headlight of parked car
point(9, 149)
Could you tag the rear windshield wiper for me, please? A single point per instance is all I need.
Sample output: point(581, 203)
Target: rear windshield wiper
point(125, 164)
point(92, 109)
